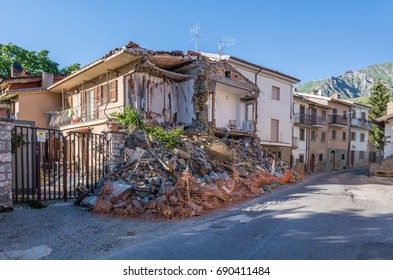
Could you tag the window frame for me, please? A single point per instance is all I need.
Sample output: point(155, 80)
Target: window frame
point(275, 94)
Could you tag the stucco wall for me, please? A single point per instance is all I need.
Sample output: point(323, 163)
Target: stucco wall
point(33, 106)
point(227, 108)
point(269, 109)
point(388, 148)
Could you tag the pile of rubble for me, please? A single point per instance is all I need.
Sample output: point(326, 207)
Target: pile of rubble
point(201, 174)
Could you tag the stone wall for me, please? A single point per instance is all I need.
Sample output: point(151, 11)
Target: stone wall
point(385, 165)
point(116, 149)
point(5, 166)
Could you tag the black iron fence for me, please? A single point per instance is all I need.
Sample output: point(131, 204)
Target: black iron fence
point(48, 165)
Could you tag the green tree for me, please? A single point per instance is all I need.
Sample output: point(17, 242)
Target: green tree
point(71, 68)
point(35, 62)
point(380, 96)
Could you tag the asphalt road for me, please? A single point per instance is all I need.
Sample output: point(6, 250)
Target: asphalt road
point(335, 215)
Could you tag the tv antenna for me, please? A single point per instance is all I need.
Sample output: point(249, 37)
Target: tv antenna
point(224, 42)
point(195, 32)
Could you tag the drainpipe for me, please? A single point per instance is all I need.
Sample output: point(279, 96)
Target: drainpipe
point(349, 136)
point(307, 132)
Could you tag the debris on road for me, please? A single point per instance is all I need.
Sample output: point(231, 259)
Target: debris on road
point(201, 174)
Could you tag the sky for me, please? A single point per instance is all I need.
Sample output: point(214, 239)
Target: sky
point(306, 39)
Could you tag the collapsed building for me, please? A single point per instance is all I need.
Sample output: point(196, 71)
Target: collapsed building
point(219, 160)
point(171, 88)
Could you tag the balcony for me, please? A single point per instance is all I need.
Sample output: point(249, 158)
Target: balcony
point(301, 119)
point(317, 121)
point(339, 121)
point(362, 123)
point(81, 114)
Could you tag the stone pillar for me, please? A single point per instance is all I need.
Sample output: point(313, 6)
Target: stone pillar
point(116, 149)
point(5, 166)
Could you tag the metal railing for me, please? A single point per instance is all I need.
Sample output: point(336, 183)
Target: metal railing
point(317, 120)
point(361, 123)
point(81, 114)
point(338, 120)
point(301, 119)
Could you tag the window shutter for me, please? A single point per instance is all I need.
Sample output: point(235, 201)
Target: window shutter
point(95, 102)
point(99, 95)
point(114, 91)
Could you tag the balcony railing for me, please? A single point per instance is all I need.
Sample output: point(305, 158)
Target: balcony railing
point(338, 120)
point(301, 119)
point(307, 119)
point(317, 120)
point(361, 123)
point(80, 114)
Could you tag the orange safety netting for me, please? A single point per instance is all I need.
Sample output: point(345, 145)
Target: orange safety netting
point(186, 199)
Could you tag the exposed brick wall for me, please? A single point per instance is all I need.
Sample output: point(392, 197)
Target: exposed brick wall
point(5, 166)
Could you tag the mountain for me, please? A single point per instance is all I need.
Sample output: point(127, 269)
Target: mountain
point(353, 84)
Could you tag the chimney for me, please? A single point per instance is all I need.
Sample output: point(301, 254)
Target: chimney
point(335, 96)
point(389, 108)
point(16, 69)
point(47, 79)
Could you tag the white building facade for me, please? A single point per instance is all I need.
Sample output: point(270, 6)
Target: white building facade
point(274, 109)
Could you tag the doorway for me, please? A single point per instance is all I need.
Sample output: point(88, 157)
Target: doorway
point(312, 163)
point(333, 159)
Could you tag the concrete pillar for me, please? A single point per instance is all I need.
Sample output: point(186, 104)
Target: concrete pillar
point(5, 166)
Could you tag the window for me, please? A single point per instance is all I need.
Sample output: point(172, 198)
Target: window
point(354, 114)
point(353, 136)
point(343, 156)
point(313, 135)
point(361, 155)
point(334, 134)
point(301, 134)
point(274, 130)
point(301, 158)
point(323, 114)
point(344, 115)
point(344, 136)
point(323, 136)
point(113, 90)
point(364, 116)
point(362, 137)
point(275, 93)
point(320, 157)
point(228, 74)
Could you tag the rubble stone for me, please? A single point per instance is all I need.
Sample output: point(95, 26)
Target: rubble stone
point(137, 139)
point(181, 154)
point(190, 179)
point(89, 201)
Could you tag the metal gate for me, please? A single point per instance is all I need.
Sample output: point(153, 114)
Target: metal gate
point(87, 160)
point(48, 165)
